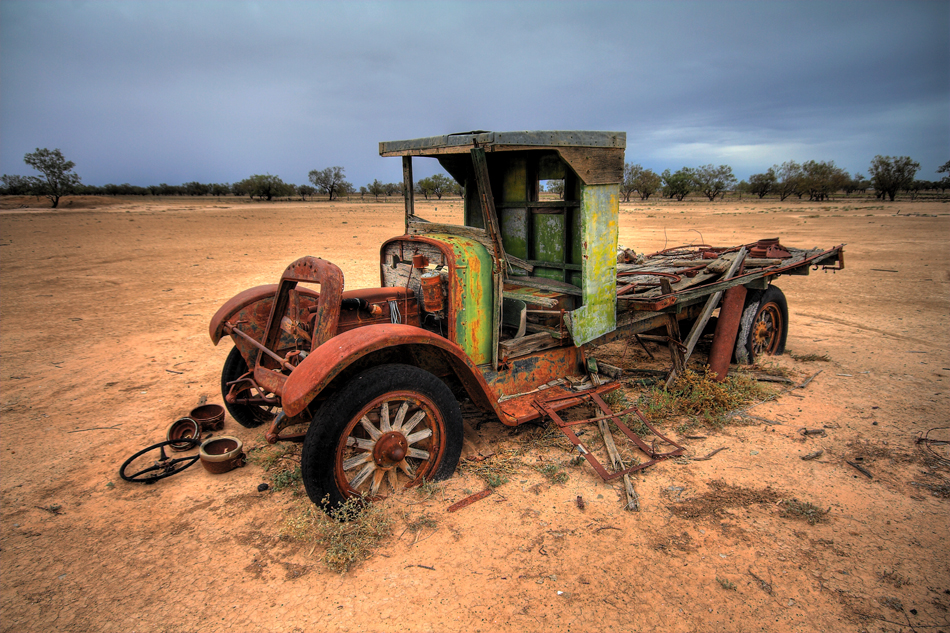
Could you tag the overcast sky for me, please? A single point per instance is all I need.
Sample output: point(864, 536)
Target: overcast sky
point(152, 92)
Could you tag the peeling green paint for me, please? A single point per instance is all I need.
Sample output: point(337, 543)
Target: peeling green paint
point(514, 231)
point(600, 211)
point(472, 297)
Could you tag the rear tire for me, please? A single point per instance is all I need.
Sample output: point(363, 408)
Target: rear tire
point(763, 329)
point(247, 415)
point(391, 427)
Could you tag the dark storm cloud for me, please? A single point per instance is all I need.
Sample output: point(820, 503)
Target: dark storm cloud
point(148, 92)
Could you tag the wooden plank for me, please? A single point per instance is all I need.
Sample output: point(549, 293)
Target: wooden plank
point(711, 304)
point(528, 344)
point(530, 298)
point(700, 323)
point(673, 331)
point(633, 500)
point(559, 265)
point(547, 284)
point(409, 195)
point(551, 331)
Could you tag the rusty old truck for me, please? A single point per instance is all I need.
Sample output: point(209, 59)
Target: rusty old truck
point(500, 311)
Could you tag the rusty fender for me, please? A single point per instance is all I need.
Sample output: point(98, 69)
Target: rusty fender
point(330, 359)
point(242, 300)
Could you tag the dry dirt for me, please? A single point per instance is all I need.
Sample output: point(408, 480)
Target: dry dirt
point(105, 306)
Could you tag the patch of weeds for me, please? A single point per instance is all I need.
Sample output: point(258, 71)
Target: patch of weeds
point(699, 396)
point(721, 496)
point(549, 436)
point(268, 455)
point(415, 525)
point(893, 578)
point(285, 478)
point(493, 479)
point(618, 401)
point(802, 510)
point(725, 583)
point(553, 473)
point(429, 489)
point(349, 534)
point(811, 358)
point(494, 470)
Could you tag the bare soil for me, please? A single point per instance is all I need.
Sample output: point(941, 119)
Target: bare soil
point(105, 308)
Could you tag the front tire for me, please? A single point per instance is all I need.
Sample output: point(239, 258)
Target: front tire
point(391, 427)
point(763, 329)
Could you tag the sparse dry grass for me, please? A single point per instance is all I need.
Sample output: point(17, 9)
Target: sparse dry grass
point(348, 535)
point(701, 399)
point(495, 470)
point(802, 510)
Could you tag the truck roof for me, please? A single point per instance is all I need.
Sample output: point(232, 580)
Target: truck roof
point(462, 142)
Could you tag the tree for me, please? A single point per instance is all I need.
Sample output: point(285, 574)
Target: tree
point(890, 174)
point(330, 181)
point(393, 188)
point(58, 177)
point(263, 186)
point(944, 183)
point(647, 183)
point(346, 189)
point(196, 189)
point(305, 191)
point(787, 179)
point(677, 185)
point(630, 175)
point(441, 185)
point(712, 180)
point(762, 184)
point(458, 189)
point(425, 186)
point(743, 187)
point(16, 185)
point(556, 186)
point(820, 179)
point(376, 188)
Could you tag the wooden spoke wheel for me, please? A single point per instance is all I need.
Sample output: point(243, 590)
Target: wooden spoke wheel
point(389, 428)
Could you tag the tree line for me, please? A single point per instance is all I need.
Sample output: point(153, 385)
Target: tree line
point(818, 179)
point(58, 179)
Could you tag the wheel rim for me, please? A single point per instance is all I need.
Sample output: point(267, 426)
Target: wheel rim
point(263, 412)
point(251, 400)
point(392, 443)
point(767, 330)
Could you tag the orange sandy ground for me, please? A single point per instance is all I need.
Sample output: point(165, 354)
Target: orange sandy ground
point(105, 306)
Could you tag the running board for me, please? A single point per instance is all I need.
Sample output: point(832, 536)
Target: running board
point(550, 408)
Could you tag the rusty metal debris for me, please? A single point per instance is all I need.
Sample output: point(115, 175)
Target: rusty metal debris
point(469, 500)
point(864, 471)
point(209, 416)
point(566, 428)
point(709, 455)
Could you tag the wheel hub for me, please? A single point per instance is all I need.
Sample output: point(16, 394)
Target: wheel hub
point(390, 449)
